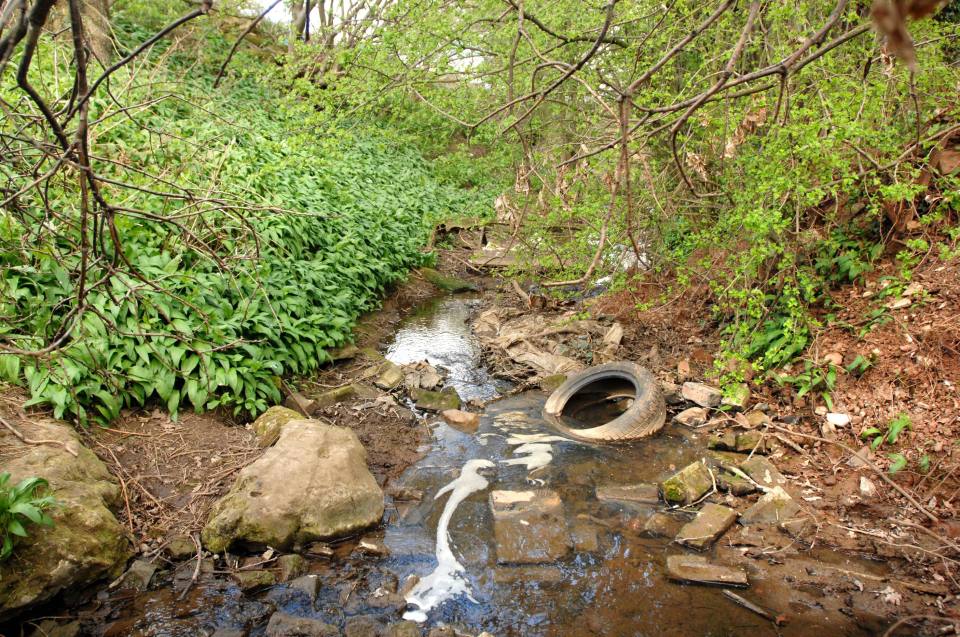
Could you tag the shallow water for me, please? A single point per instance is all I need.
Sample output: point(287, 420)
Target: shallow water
point(612, 583)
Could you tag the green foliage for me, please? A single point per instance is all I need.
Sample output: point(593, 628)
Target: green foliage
point(896, 427)
point(287, 236)
point(813, 378)
point(21, 505)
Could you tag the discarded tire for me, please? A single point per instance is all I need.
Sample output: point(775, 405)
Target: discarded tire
point(606, 385)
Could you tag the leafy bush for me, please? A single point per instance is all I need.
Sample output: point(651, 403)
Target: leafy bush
point(22, 505)
point(286, 235)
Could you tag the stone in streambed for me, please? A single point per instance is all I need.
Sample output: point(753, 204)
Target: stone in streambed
point(283, 625)
point(313, 484)
point(692, 417)
point(763, 472)
point(696, 569)
point(461, 420)
point(86, 542)
point(291, 566)
point(388, 376)
point(438, 401)
point(734, 484)
point(529, 527)
point(138, 576)
point(252, 580)
point(687, 485)
point(752, 442)
point(661, 525)
point(726, 441)
point(711, 522)
point(640, 493)
point(774, 506)
point(701, 394)
point(268, 426)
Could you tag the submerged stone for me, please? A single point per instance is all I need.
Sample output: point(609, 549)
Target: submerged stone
point(461, 420)
point(529, 527)
point(695, 568)
point(313, 484)
point(660, 525)
point(252, 580)
point(437, 401)
point(687, 485)
point(640, 493)
point(711, 522)
point(283, 625)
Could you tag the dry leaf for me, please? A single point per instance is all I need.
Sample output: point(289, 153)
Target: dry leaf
point(890, 18)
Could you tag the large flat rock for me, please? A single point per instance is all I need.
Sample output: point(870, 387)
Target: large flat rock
point(86, 542)
point(529, 527)
point(711, 522)
point(312, 484)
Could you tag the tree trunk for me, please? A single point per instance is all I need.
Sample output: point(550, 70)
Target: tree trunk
point(96, 26)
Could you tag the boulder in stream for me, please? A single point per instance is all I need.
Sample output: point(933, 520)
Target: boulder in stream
point(313, 484)
point(86, 542)
point(438, 401)
point(687, 485)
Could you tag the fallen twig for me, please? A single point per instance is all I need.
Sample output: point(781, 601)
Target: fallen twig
point(737, 599)
point(31, 441)
point(196, 570)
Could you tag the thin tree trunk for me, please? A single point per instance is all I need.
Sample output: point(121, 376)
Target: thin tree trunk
point(96, 26)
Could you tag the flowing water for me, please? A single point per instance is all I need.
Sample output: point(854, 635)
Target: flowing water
point(443, 553)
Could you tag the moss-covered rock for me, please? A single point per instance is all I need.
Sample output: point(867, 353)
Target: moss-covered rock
point(313, 484)
point(687, 485)
point(267, 427)
point(436, 400)
point(86, 542)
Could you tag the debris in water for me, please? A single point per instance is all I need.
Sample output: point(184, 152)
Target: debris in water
point(446, 580)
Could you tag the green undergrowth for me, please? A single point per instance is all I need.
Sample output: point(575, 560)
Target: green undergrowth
point(288, 234)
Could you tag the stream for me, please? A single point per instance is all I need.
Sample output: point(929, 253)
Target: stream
point(442, 564)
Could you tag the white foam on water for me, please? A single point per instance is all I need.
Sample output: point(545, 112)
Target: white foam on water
point(533, 455)
point(446, 580)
